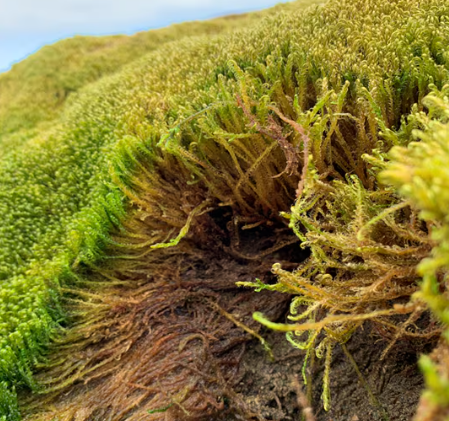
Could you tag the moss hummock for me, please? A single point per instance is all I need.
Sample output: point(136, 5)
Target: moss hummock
point(290, 127)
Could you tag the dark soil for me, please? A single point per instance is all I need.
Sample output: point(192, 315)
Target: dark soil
point(268, 388)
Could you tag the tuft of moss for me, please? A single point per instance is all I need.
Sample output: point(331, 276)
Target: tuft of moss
point(420, 173)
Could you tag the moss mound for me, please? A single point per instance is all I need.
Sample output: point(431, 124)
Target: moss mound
point(34, 91)
point(288, 130)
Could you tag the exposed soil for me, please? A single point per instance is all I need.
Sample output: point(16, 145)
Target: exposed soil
point(269, 388)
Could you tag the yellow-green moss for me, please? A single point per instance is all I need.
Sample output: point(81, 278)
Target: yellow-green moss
point(420, 172)
point(232, 119)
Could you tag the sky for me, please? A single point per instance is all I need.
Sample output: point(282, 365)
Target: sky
point(27, 25)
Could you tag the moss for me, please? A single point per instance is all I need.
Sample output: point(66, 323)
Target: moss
point(35, 90)
point(60, 187)
point(286, 123)
point(50, 76)
point(420, 174)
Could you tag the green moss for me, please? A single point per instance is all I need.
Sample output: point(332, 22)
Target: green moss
point(58, 197)
point(9, 410)
point(36, 89)
point(420, 173)
point(232, 120)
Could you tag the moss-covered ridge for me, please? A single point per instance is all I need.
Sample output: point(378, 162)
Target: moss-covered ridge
point(34, 91)
point(59, 202)
point(231, 130)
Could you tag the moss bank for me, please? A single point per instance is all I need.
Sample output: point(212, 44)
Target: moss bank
point(284, 124)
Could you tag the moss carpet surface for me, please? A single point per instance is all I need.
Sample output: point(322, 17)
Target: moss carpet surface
point(329, 125)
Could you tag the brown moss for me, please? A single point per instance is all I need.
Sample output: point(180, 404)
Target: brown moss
point(155, 332)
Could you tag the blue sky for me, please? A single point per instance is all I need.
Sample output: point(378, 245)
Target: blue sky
point(27, 25)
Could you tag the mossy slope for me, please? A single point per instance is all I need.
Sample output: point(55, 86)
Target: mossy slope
point(58, 201)
point(231, 121)
point(35, 90)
